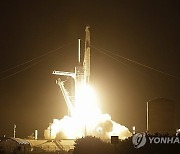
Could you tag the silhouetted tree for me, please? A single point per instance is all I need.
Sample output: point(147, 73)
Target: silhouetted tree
point(92, 145)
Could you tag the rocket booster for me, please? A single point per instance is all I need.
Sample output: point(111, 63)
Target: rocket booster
point(86, 64)
point(82, 72)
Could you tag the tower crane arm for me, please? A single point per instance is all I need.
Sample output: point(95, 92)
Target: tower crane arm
point(73, 75)
point(66, 95)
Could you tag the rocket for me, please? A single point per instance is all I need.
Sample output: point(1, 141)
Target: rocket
point(82, 71)
point(86, 63)
point(81, 74)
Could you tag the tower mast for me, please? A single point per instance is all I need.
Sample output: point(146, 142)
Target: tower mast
point(79, 51)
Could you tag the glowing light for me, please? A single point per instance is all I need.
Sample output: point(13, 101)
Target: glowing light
point(86, 104)
point(87, 119)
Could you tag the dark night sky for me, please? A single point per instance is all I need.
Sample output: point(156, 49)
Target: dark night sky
point(145, 31)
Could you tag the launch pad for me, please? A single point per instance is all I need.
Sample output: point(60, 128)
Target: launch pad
point(84, 116)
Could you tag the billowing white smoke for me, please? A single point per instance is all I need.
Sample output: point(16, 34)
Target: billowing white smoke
point(86, 119)
point(72, 128)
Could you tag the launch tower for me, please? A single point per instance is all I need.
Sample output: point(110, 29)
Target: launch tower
point(80, 75)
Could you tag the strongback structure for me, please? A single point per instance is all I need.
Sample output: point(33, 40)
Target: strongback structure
point(80, 75)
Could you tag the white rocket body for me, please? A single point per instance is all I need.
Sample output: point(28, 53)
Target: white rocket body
point(86, 63)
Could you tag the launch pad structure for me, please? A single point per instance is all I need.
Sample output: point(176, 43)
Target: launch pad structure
point(85, 117)
point(80, 75)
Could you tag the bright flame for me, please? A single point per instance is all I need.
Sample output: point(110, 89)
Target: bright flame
point(86, 104)
point(87, 119)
